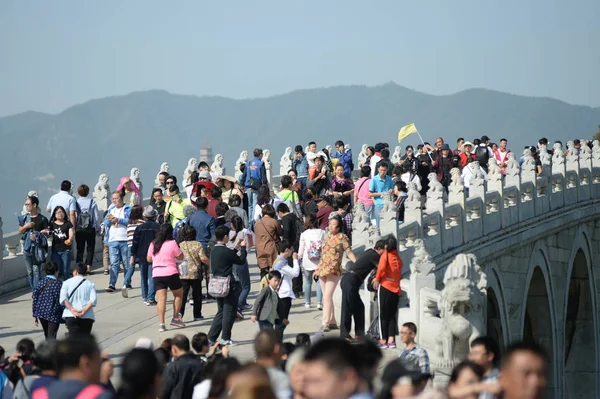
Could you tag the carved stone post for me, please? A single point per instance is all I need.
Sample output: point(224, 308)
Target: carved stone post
point(413, 211)
point(456, 189)
point(421, 276)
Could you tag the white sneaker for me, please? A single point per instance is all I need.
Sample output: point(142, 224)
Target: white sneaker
point(124, 292)
point(307, 305)
point(227, 342)
point(320, 307)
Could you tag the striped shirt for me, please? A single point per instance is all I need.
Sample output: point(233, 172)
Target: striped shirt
point(130, 230)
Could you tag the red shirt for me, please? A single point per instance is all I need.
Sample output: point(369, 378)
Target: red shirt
point(212, 205)
point(323, 216)
point(389, 271)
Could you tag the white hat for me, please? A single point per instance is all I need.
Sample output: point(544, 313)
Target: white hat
point(145, 343)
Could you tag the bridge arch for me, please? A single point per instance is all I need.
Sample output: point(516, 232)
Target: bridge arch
point(496, 318)
point(538, 317)
point(580, 370)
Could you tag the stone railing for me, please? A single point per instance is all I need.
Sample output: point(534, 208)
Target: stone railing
point(449, 221)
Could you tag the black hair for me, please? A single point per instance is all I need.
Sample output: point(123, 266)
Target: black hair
point(309, 193)
point(283, 208)
point(401, 185)
point(157, 190)
point(385, 153)
point(221, 232)
point(311, 143)
point(264, 195)
point(172, 178)
point(199, 341)
point(70, 350)
point(81, 268)
point(237, 224)
point(384, 164)
point(311, 222)
point(302, 340)
point(337, 203)
point(174, 189)
point(398, 170)
point(460, 139)
point(365, 171)
point(137, 213)
point(466, 364)
point(380, 244)
point(265, 343)
point(257, 152)
point(476, 142)
point(201, 203)
point(45, 356)
point(235, 200)
point(299, 148)
point(221, 209)
point(139, 370)
point(339, 143)
point(293, 170)
point(284, 245)
point(56, 209)
point(503, 139)
point(411, 326)
point(371, 148)
point(390, 243)
point(194, 177)
point(187, 233)
point(286, 181)
point(165, 174)
point(164, 234)
point(216, 192)
point(163, 356)
point(50, 268)
point(490, 345)
point(221, 370)
point(274, 274)
point(34, 201)
point(65, 185)
point(26, 348)
point(181, 342)
point(337, 354)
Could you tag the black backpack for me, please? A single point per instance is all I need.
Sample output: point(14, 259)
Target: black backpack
point(84, 218)
point(482, 154)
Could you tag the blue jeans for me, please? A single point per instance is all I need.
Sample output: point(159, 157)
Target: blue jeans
point(147, 282)
point(129, 269)
point(308, 282)
point(369, 210)
point(63, 260)
point(243, 276)
point(252, 199)
point(33, 271)
point(303, 181)
point(376, 211)
point(118, 253)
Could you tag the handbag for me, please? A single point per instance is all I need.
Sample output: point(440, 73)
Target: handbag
point(218, 286)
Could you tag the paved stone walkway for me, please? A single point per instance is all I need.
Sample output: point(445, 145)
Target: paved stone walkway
point(120, 321)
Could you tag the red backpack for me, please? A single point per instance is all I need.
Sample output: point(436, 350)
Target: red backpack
point(89, 392)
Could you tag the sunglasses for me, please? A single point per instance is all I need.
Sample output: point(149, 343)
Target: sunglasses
point(170, 182)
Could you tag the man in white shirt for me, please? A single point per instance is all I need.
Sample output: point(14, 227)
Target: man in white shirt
point(66, 200)
point(376, 158)
point(115, 222)
point(311, 154)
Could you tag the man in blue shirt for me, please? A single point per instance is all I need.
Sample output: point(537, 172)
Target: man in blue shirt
point(202, 222)
point(255, 176)
point(381, 183)
point(300, 165)
point(345, 157)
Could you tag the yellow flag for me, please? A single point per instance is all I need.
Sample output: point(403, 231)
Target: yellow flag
point(406, 131)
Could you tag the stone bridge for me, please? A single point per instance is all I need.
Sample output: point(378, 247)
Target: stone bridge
point(537, 243)
point(536, 240)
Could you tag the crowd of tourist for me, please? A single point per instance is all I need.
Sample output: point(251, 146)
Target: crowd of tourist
point(194, 241)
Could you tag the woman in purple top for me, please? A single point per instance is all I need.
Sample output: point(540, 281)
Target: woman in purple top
point(341, 187)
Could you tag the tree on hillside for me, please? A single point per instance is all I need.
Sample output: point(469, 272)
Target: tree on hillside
point(597, 135)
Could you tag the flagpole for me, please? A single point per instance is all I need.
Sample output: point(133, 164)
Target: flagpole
point(422, 141)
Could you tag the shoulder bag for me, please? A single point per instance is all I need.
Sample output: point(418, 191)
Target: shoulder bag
point(62, 321)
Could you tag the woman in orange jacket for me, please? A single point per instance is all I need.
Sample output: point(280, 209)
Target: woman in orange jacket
point(387, 284)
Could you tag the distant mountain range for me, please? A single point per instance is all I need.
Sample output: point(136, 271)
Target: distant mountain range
point(144, 129)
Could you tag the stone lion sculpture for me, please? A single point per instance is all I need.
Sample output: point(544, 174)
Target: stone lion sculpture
point(397, 155)
point(360, 214)
point(217, 167)
point(362, 155)
point(285, 163)
point(243, 159)
point(189, 169)
point(134, 175)
point(436, 189)
point(102, 192)
point(388, 202)
point(462, 306)
point(456, 187)
point(267, 161)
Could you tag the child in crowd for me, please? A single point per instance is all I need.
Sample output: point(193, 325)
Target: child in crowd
point(266, 305)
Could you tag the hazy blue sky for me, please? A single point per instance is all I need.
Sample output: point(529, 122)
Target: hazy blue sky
point(58, 53)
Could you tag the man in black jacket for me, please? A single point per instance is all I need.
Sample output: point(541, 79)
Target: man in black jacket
point(180, 377)
point(352, 305)
point(222, 260)
point(142, 237)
